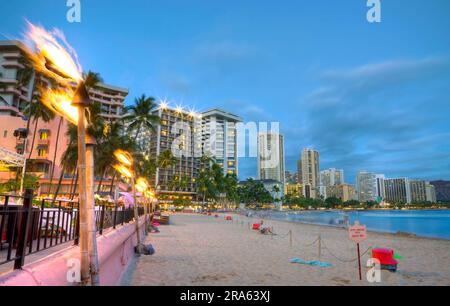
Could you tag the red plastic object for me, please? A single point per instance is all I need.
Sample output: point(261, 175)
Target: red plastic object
point(4, 236)
point(386, 258)
point(229, 218)
point(256, 226)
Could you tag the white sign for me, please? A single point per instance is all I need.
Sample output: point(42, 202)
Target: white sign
point(357, 232)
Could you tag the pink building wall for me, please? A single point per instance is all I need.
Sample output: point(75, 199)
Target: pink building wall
point(8, 124)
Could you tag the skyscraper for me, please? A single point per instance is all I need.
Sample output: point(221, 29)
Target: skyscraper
point(219, 138)
point(330, 177)
point(271, 157)
point(310, 168)
point(179, 133)
point(370, 186)
point(398, 190)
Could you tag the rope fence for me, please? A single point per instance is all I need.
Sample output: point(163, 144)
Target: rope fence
point(319, 241)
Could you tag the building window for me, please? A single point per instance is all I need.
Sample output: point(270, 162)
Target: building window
point(44, 135)
point(5, 133)
point(42, 152)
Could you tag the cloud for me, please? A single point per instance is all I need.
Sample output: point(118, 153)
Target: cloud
point(221, 51)
point(376, 115)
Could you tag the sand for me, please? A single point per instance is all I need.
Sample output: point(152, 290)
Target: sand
point(197, 250)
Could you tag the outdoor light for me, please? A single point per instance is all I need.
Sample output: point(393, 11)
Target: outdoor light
point(142, 182)
point(123, 170)
point(124, 157)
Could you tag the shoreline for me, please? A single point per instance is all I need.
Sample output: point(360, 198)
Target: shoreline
point(396, 235)
point(380, 231)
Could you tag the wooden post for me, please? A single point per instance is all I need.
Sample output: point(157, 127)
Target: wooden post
point(290, 238)
point(359, 261)
point(92, 226)
point(319, 247)
point(82, 190)
point(136, 216)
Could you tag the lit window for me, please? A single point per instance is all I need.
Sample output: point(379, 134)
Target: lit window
point(44, 135)
point(42, 152)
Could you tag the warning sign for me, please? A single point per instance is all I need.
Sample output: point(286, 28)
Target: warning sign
point(357, 232)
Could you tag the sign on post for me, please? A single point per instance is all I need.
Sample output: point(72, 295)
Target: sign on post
point(358, 233)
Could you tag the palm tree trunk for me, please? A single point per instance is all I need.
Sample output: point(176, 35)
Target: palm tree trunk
point(54, 155)
point(99, 188)
point(112, 183)
point(72, 196)
point(34, 137)
point(58, 187)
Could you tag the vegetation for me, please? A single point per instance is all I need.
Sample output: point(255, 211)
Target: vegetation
point(253, 193)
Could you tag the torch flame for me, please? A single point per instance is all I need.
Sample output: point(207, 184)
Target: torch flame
point(51, 57)
point(59, 101)
point(124, 157)
point(123, 170)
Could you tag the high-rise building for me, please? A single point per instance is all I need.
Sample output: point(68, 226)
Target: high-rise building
point(398, 190)
point(179, 133)
point(112, 99)
point(345, 192)
point(418, 191)
point(18, 87)
point(370, 186)
point(430, 193)
point(271, 157)
point(310, 168)
point(219, 138)
point(291, 177)
point(330, 177)
point(17, 82)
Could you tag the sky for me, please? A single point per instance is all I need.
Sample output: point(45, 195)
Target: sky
point(367, 96)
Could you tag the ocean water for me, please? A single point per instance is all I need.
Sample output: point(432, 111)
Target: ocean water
point(423, 223)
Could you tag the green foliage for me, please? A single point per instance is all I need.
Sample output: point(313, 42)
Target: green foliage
point(254, 193)
point(30, 182)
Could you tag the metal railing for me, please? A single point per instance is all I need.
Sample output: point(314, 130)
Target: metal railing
point(37, 225)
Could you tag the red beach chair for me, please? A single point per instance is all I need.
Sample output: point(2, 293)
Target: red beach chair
point(229, 218)
point(386, 258)
point(256, 226)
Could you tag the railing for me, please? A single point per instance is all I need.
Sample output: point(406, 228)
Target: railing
point(38, 225)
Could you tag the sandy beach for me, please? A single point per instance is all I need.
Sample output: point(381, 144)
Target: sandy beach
point(197, 250)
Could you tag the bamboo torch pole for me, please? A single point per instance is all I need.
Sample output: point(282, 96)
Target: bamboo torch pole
point(81, 102)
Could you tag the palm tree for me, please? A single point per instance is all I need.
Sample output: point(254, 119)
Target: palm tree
point(91, 79)
point(37, 111)
point(166, 160)
point(140, 115)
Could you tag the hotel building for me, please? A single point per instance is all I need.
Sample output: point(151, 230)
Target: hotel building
point(310, 173)
point(345, 192)
point(370, 186)
point(330, 177)
point(16, 92)
point(180, 133)
point(219, 138)
point(271, 163)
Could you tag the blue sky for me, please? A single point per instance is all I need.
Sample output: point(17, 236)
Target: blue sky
point(367, 96)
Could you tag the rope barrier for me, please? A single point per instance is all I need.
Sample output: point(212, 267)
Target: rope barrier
point(346, 260)
point(319, 240)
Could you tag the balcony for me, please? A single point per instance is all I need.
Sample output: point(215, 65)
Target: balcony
point(12, 64)
point(43, 142)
